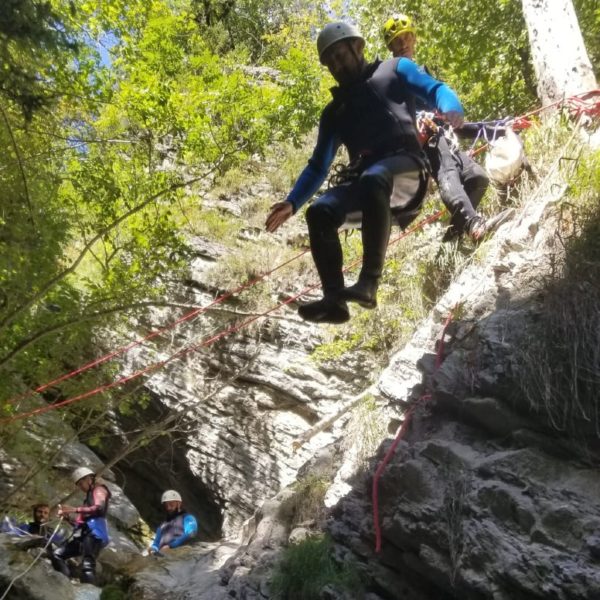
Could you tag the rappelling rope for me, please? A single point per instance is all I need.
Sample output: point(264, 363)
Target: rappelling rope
point(582, 108)
point(207, 342)
point(190, 315)
point(578, 103)
point(438, 361)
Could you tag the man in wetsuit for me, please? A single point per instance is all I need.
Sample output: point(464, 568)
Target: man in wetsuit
point(178, 528)
point(372, 114)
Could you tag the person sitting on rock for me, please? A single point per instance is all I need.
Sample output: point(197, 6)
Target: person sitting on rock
point(40, 525)
point(91, 530)
point(178, 529)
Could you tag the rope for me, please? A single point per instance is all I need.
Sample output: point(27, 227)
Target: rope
point(40, 554)
point(233, 329)
point(390, 453)
point(578, 104)
point(153, 334)
point(519, 122)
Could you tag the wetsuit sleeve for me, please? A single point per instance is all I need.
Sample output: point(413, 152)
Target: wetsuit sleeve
point(314, 174)
point(434, 93)
point(190, 529)
point(156, 542)
point(98, 508)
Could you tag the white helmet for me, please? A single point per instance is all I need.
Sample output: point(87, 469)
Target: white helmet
point(170, 496)
point(334, 32)
point(80, 473)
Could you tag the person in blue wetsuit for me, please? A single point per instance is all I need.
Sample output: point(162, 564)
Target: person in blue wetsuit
point(372, 114)
point(91, 532)
point(178, 529)
point(461, 181)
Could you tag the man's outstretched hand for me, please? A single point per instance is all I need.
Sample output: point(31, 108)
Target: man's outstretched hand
point(280, 213)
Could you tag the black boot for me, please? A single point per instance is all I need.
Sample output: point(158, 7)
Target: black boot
point(363, 292)
point(327, 254)
point(376, 225)
point(87, 577)
point(59, 563)
point(327, 310)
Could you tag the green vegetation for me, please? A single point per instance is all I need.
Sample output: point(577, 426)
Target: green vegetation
point(558, 362)
point(306, 568)
point(364, 431)
point(306, 504)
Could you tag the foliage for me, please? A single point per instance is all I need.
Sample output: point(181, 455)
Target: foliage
point(364, 431)
point(558, 358)
point(588, 15)
point(94, 193)
point(307, 567)
point(480, 48)
point(36, 48)
point(306, 503)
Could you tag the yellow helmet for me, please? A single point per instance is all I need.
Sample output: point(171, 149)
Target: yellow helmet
point(395, 26)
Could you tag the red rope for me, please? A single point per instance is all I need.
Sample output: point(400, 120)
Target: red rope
point(157, 365)
point(578, 104)
point(390, 453)
point(152, 334)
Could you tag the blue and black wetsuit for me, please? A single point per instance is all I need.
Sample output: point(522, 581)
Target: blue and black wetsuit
point(374, 118)
point(176, 531)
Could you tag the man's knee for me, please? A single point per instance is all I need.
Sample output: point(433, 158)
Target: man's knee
point(320, 217)
point(376, 183)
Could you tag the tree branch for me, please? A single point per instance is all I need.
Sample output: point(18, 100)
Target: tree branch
point(45, 288)
point(20, 162)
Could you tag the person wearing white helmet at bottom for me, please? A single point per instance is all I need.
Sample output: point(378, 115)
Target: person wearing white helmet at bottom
point(178, 528)
point(91, 531)
point(372, 114)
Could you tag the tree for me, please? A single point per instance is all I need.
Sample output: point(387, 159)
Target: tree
point(35, 45)
point(561, 62)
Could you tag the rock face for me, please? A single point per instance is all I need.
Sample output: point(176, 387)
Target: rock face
point(241, 401)
point(482, 499)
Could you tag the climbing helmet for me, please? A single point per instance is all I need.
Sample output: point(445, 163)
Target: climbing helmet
point(395, 26)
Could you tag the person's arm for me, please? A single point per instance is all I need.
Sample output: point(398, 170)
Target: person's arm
point(155, 545)
point(99, 498)
point(311, 178)
point(315, 172)
point(190, 529)
point(436, 94)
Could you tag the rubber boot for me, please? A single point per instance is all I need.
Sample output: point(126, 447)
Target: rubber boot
point(478, 227)
point(376, 225)
point(328, 257)
point(60, 565)
point(87, 577)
